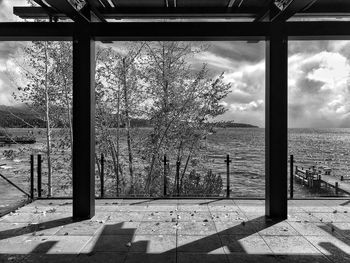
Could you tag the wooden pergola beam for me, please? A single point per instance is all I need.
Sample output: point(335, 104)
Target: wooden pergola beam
point(96, 15)
point(72, 12)
point(26, 31)
point(298, 9)
point(290, 10)
point(272, 13)
point(29, 31)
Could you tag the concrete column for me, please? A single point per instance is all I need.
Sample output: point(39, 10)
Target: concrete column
point(83, 125)
point(276, 122)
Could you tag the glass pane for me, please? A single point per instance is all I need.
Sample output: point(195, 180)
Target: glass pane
point(169, 114)
point(319, 134)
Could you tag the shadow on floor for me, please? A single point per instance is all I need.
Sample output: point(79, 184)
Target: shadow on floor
point(105, 250)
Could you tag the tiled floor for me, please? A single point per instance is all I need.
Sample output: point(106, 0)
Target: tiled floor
point(177, 231)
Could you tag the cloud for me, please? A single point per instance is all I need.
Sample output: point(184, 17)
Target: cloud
point(215, 63)
point(6, 9)
point(251, 106)
point(245, 103)
point(319, 87)
point(6, 90)
point(318, 82)
point(239, 51)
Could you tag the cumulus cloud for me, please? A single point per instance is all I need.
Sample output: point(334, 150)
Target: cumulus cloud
point(318, 82)
point(6, 9)
point(245, 102)
point(251, 106)
point(10, 72)
point(319, 87)
point(239, 51)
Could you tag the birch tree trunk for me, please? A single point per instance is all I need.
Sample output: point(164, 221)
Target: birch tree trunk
point(127, 126)
point(47, 118)
point(68, 108)
point(118, 136)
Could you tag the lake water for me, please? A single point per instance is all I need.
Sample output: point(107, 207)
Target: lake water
point(246, 147)
point(326, 147)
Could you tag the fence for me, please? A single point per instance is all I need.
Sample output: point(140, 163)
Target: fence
point(172, 183)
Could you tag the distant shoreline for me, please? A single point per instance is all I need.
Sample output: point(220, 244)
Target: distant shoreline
point(234, 125)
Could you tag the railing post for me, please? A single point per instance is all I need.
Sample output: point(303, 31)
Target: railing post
point(228, 161)
point(165, 161)
point(31, 176)
point(291, 176)
point(39, 175)
point(178, 163)
point(336, 188)
point(102, 175)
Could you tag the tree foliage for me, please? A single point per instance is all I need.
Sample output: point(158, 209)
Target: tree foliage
point(149, 83)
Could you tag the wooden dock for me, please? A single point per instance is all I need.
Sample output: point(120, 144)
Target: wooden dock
point(315, 179)
point(332, 181)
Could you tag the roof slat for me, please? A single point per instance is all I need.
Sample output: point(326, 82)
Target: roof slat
point(49, 10)
point(291, 9)
point(261, 10)
point(94, 6)
point(66, 7)
point(106, 3)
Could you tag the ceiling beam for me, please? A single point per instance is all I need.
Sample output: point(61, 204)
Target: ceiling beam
point(235, 3)
point(275, 12)
point(16, 31)
point(115, 3)
point(124, 12)
point(293, 7)
point(96, 16)
point(30, 31)
point(49, 10)
point(75, 13)
point(104, 2)
point(36, 12)
point(244, 12)
point(263, 15)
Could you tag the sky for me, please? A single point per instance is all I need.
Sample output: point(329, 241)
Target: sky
point(318, 78)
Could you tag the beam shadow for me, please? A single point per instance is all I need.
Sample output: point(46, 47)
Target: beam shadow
point(116, 249)
point(32, 228)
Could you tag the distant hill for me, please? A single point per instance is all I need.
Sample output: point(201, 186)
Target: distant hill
point(21, 117)
point(18, 117)
point(232, 124)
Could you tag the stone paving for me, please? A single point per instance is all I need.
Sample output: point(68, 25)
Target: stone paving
point(177, 231)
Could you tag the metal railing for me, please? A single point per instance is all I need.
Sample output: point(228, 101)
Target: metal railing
point(165, 180)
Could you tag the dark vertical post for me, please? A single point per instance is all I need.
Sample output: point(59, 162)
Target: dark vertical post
point(164, 178)
point(83, 124)
point(291, 179)
point(178, 177)
point(32, 176)
point(117, 181)
point(39, 175)
point(227, 161)
point(336, 188)
point(102, 175)
point(276, 122)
